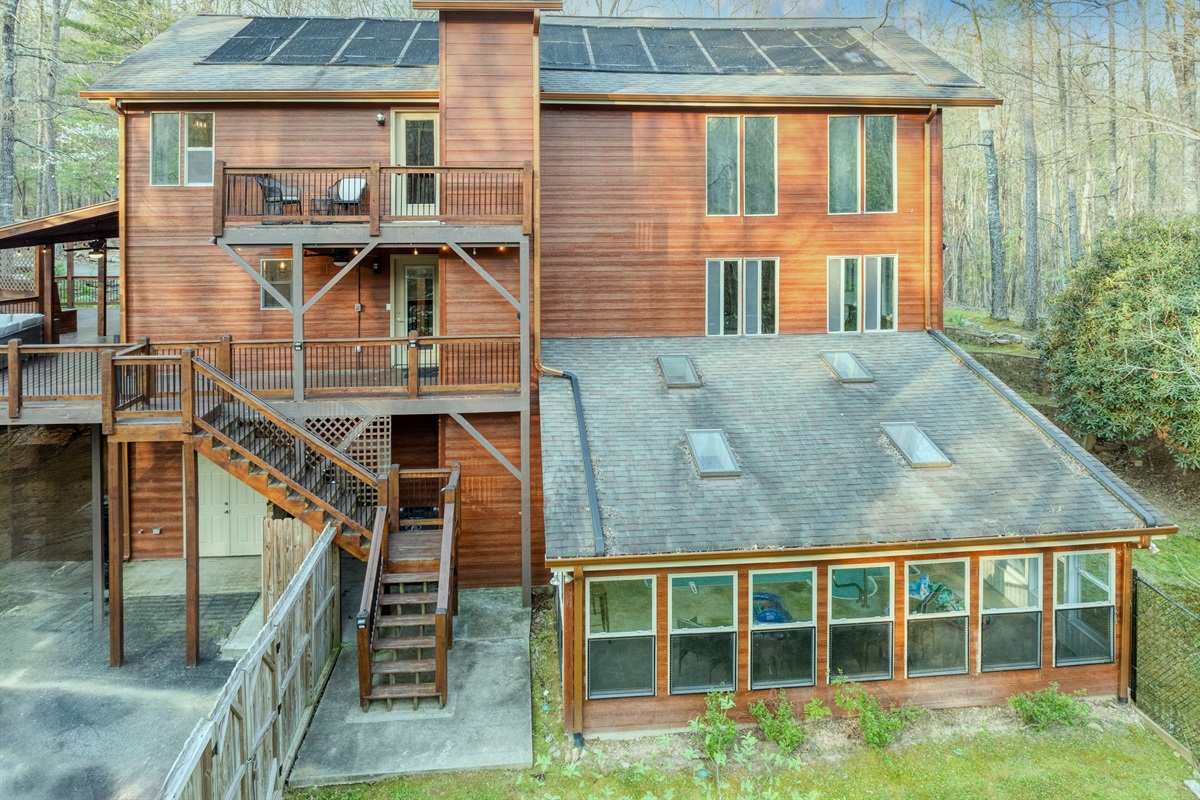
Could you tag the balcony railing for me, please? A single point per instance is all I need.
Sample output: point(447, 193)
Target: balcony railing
point(372, 194)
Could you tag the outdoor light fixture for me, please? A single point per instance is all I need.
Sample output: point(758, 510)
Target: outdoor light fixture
point(415, 251)
point(502, 248)
point(376, 265)
point(341, 257)
point(97, 249)
point(380, 118)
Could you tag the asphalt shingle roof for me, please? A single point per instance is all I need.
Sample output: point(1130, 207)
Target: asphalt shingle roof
point(834, 58)
point(816, 469)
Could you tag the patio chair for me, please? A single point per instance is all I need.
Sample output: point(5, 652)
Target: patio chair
point(343, 197)
point(278, 197)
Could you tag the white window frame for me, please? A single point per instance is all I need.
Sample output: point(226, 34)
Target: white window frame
point(178, 147)
point(1110, 603)
point(741, 301)
point(965, 614)
point(862, 287)
point(858, 170)
point(753, 629)
point(830, 622)
point(652, 633)
point(1036, 558)
point(738, 159)
point(264, 296)
point(895, 170)
point(842, 292)
point(672, 632)
point(186, 148)
point(742, 163)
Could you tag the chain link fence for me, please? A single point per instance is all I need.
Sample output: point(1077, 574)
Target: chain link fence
point(1166, 663)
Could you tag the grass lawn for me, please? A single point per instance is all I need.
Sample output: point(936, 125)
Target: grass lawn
point(958, 755)
point(1010, 325)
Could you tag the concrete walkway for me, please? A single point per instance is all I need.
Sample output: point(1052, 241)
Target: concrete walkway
point(486, 723)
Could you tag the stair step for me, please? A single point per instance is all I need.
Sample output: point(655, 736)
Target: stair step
point(403, 642)
point(386, 691)
point(404, 620)
point(410, 577)
point(394, 667)
point(398, 598)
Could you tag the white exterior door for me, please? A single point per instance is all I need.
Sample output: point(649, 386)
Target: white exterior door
point(231, 513)
point(415, 194)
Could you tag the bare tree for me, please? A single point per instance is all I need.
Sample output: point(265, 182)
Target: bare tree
point(1028, 135)
point(8, 114)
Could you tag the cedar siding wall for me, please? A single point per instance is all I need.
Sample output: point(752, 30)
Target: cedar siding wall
point(666, 711)
point(625, 236)
point(487, 88)
point(155, 500)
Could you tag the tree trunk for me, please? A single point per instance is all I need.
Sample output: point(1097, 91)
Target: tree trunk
point(995, 234)
point(1114, 178)
point(1181, 43)
point(1032, 277)
point(48, 193)
point(8, 115)
point(1152, 165)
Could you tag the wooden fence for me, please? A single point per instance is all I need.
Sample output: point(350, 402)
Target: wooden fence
point(286, 543)
point(247, 744)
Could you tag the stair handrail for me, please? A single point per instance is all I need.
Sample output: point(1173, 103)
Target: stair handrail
point(365, 619)
point(447, 598)
point(232, 387)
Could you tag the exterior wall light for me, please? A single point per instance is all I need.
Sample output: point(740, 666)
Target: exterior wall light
point(380, 119)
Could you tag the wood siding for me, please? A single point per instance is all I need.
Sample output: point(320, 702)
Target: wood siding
point(625, 235)
point(487, 88)
point(665, 711)
point(155, 500)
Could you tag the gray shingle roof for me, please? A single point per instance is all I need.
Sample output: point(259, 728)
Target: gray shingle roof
point(830, 58)
point(816, 469)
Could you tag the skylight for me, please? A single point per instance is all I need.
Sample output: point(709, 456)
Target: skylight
point(678, 372)
point(846, 367)
point(916, 447)
point(713, 457)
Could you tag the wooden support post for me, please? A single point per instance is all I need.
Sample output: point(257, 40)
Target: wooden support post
point(578, 597)
point(373, 199)
point(97, 529)
point(298, 322)
point(218, 198)
point(527, 204)
point(394, 498)
point(14, 378)
point(116, 558)
point(414, 365)
point(108, 392)
point(187, 396)
point(526, 422)
point(102, 295)
point(191, 552)
point(1126, 621)
point(46, 289)
point(225, 355)
point(70, 278)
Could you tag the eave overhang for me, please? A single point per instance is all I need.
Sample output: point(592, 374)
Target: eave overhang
point(582, 98)
point(430, 97)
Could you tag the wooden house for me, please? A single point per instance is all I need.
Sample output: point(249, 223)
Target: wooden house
point(647, 309)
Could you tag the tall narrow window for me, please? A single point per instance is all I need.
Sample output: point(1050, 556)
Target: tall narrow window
point(742, 296)
point(723, 166)
point(843, 165)
point(703, 633)
point(881, 164)
point(198, 155)
point(860, 622)
point(164, 149)
point(760, 165)
point(879, 293)
point(842, 286)
point(938, 619)
point(783, 641)
point(278, 272)
point(620, 635)
point(1010, 603)
point(861, 293)
point(1084, 611)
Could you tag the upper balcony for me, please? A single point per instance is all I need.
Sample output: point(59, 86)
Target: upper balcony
point(373, 194)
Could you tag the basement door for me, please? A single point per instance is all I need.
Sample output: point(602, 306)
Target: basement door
point(231, 513)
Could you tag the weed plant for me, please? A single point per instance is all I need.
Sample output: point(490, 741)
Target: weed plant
point(1049, 707)
point(777, 719)
point(879, 726)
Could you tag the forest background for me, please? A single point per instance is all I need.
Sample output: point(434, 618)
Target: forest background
point(1099, 121)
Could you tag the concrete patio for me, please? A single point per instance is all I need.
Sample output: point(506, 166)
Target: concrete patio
point(486, 723)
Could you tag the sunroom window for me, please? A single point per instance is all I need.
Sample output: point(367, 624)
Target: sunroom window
point(783, 639)
point(938, 618)
point(860, 623)
point(703, 633)
point(1010, 602)
point(621, 652)
point(861, 293)
point(742, 296)
point(1084, 597)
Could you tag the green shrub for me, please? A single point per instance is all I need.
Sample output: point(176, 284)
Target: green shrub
point(955, 318)
point(715, 732)
point(879, 726)
point(1122, 344)
point(1043, 708)
point(777, 719)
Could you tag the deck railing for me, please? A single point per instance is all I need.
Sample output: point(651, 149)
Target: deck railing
point(447, 602)
point(19, 305)
point(372, 588)
point(414, 367)
point(83, 292)
point(372, 194)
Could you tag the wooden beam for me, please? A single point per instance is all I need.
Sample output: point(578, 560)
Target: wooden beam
point(70, 256)
point(483, 273)
point(46, 289)
point(97, 529)
point(485, 444)
point(116, 558)
point(1125, 659)
point(257, 276)
point(191, 553)
point(102, 295)
point(351, 264)
point(14, 378)
point(526, 416)
point(297, 310)
point(579, 596)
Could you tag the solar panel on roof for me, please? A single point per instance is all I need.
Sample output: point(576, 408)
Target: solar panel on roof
point(675, 50)
point(423, 49)
point(843, 48)
point(255, 42)
point(317, 42)
point(378, 43)
point(732, 51)
point(789, 52)
point(563, 47)
point(618, 50)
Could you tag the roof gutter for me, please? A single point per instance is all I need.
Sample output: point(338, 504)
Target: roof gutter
point(585, 453)
point(1058, 437)
point(622, 99)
